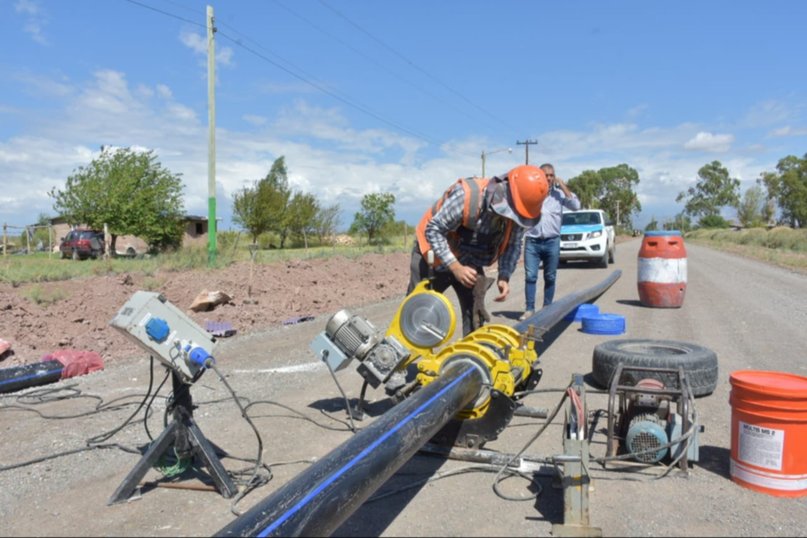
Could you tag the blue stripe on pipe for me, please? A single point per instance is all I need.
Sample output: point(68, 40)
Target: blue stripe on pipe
point(296, 508)
point(30, 376)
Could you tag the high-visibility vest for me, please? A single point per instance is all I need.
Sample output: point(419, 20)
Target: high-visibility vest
point(474, 188)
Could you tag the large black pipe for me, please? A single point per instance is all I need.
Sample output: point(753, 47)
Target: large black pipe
point(30, 375)
point(322, 497)
point(550, 315)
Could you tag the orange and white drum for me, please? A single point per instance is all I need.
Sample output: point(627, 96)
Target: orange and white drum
point(662, 274)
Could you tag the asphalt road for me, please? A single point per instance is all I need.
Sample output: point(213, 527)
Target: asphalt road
point(751, 314)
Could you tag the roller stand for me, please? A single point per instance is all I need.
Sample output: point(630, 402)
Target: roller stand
point(187, 440)
point(575, 479)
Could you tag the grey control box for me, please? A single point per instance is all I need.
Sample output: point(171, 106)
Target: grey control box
point(161, 329)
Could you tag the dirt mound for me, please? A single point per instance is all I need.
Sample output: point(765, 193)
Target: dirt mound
point(38, 319)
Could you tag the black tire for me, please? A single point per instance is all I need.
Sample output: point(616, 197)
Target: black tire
point(611, 254)
point(603, 261)
point(699, 363)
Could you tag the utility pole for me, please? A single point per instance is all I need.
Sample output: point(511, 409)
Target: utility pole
point(527, 144)
point(211, 143)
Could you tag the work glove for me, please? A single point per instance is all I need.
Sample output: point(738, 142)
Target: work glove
point(480, 313)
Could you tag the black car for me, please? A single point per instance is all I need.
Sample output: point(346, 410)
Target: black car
point(82, 244)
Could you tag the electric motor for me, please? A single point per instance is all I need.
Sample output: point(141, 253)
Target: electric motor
point(347, 337)
point(646, 433)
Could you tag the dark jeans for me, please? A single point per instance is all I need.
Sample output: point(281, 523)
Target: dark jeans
point(540, 252)
point(419, 270)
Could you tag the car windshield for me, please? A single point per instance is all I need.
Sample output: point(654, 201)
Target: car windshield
point(88, 235)
point(581, 218)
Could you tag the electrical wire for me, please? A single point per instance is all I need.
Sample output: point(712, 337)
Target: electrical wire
point(347, 403)
point(254, 481)
point(381, 65)
point(415, 66)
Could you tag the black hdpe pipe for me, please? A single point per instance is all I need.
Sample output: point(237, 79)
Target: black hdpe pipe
point(322, 497)
point(550, 315)
point(30, 375)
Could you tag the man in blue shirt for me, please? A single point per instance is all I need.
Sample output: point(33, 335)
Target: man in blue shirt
point(542, 241)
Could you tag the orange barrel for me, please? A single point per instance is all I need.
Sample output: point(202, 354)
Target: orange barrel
point(662, 269)
point(769, 432)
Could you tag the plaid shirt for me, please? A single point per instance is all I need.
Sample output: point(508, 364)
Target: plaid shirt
point(468, 250)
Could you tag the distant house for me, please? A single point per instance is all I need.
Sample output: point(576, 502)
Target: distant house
point(195, 233)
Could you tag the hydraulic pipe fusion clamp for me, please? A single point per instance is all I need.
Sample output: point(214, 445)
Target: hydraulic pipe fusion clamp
point(415, 346)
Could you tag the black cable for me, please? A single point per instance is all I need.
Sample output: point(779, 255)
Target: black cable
point(347, 403)
point(418, 68)
point(253, 481)
point(107, 435)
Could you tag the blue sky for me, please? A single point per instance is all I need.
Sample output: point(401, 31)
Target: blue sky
point(368, 96)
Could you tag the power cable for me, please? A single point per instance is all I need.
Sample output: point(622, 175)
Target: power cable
point(415, 66)
point(347, 101)
point(294, 71)
point(375, 62)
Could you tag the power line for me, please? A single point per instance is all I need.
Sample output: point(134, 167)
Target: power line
point(410, 62)
point(166, 13)
point(291, 72)
point(373, 60)
point(325, 90)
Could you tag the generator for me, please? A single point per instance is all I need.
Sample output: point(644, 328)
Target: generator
point(651, 416)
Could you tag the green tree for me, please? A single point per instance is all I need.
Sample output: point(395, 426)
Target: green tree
point(713, 221)
point(652, 226)
point(682, 222)
point(301, 215)
point(713, 191)
point(129, 191)
point(262, 207)
point(377, 211)
point(249, 213)
point(751, 209)
point(788, 187)
point(610, 189)
point(326, 222)
point(279, 194)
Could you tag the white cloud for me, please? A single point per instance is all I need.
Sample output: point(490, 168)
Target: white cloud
point(254, 119)
point(786, 131)
point(198, 44)
point(704, 141)
point(326, 154)
point(35, 22)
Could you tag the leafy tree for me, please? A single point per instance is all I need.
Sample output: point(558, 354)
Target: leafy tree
point(652, 226)
point(751, 208)
point(262, 207)
point(681, 222)
point(301, 215)
point(376, 212)
point(714, 190)
point(609, 189)
point(249, 212)
point(788, 187)
point(713, 221)
point(129, 191)
point(278, 196)
point(326, 222)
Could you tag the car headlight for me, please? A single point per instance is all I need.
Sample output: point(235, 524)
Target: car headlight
point(594, 235)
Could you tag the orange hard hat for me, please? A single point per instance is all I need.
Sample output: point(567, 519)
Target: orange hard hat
point(527, 187)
